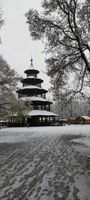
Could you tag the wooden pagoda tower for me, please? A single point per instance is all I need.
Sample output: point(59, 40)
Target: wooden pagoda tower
point(31, 90)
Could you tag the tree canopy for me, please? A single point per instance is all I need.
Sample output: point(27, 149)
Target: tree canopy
point(64, 28)
point(20, 108)
point(1, 21)
point(8, 83)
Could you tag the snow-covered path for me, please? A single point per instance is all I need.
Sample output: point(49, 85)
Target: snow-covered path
point(44, 163)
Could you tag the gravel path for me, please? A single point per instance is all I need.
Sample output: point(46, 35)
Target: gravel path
point(47, 167)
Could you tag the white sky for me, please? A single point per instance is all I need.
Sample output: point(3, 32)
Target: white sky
point(17, 45)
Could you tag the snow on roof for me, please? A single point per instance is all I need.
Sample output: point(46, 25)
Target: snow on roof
point(31, 68)
point(41, 113)
point(30, 87)
point(31, 77)
point(2, 121)
point(34, 98)
point(85, 117)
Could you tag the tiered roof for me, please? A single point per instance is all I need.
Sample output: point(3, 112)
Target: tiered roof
point(32, 90)
point(41, 113)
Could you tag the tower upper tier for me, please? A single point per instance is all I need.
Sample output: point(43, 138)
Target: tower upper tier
point(31, 71)
point(32, 83)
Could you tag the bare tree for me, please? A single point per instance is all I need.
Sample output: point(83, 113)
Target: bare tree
point(20, 109)
point(64, 27)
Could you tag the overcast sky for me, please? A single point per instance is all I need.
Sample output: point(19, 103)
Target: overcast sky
point(17, 45)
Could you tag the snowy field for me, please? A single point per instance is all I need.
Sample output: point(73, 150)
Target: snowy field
point(45, 163)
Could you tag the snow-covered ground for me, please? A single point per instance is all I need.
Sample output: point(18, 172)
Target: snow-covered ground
point(46, 163)
point(14, 135)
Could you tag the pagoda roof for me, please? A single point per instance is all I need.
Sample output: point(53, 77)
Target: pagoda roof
point(32, 78)
point(41, 113)
point(30, 88)
point(34, 98)
point(31, 70)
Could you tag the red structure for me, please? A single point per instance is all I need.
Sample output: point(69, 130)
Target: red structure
point(32, 91)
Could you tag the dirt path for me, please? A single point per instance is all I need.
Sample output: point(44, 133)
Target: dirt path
point(44, 168)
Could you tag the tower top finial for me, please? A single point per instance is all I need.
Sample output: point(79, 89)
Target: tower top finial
point(32, 62)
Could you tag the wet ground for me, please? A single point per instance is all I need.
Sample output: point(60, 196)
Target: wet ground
point(44, 167)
